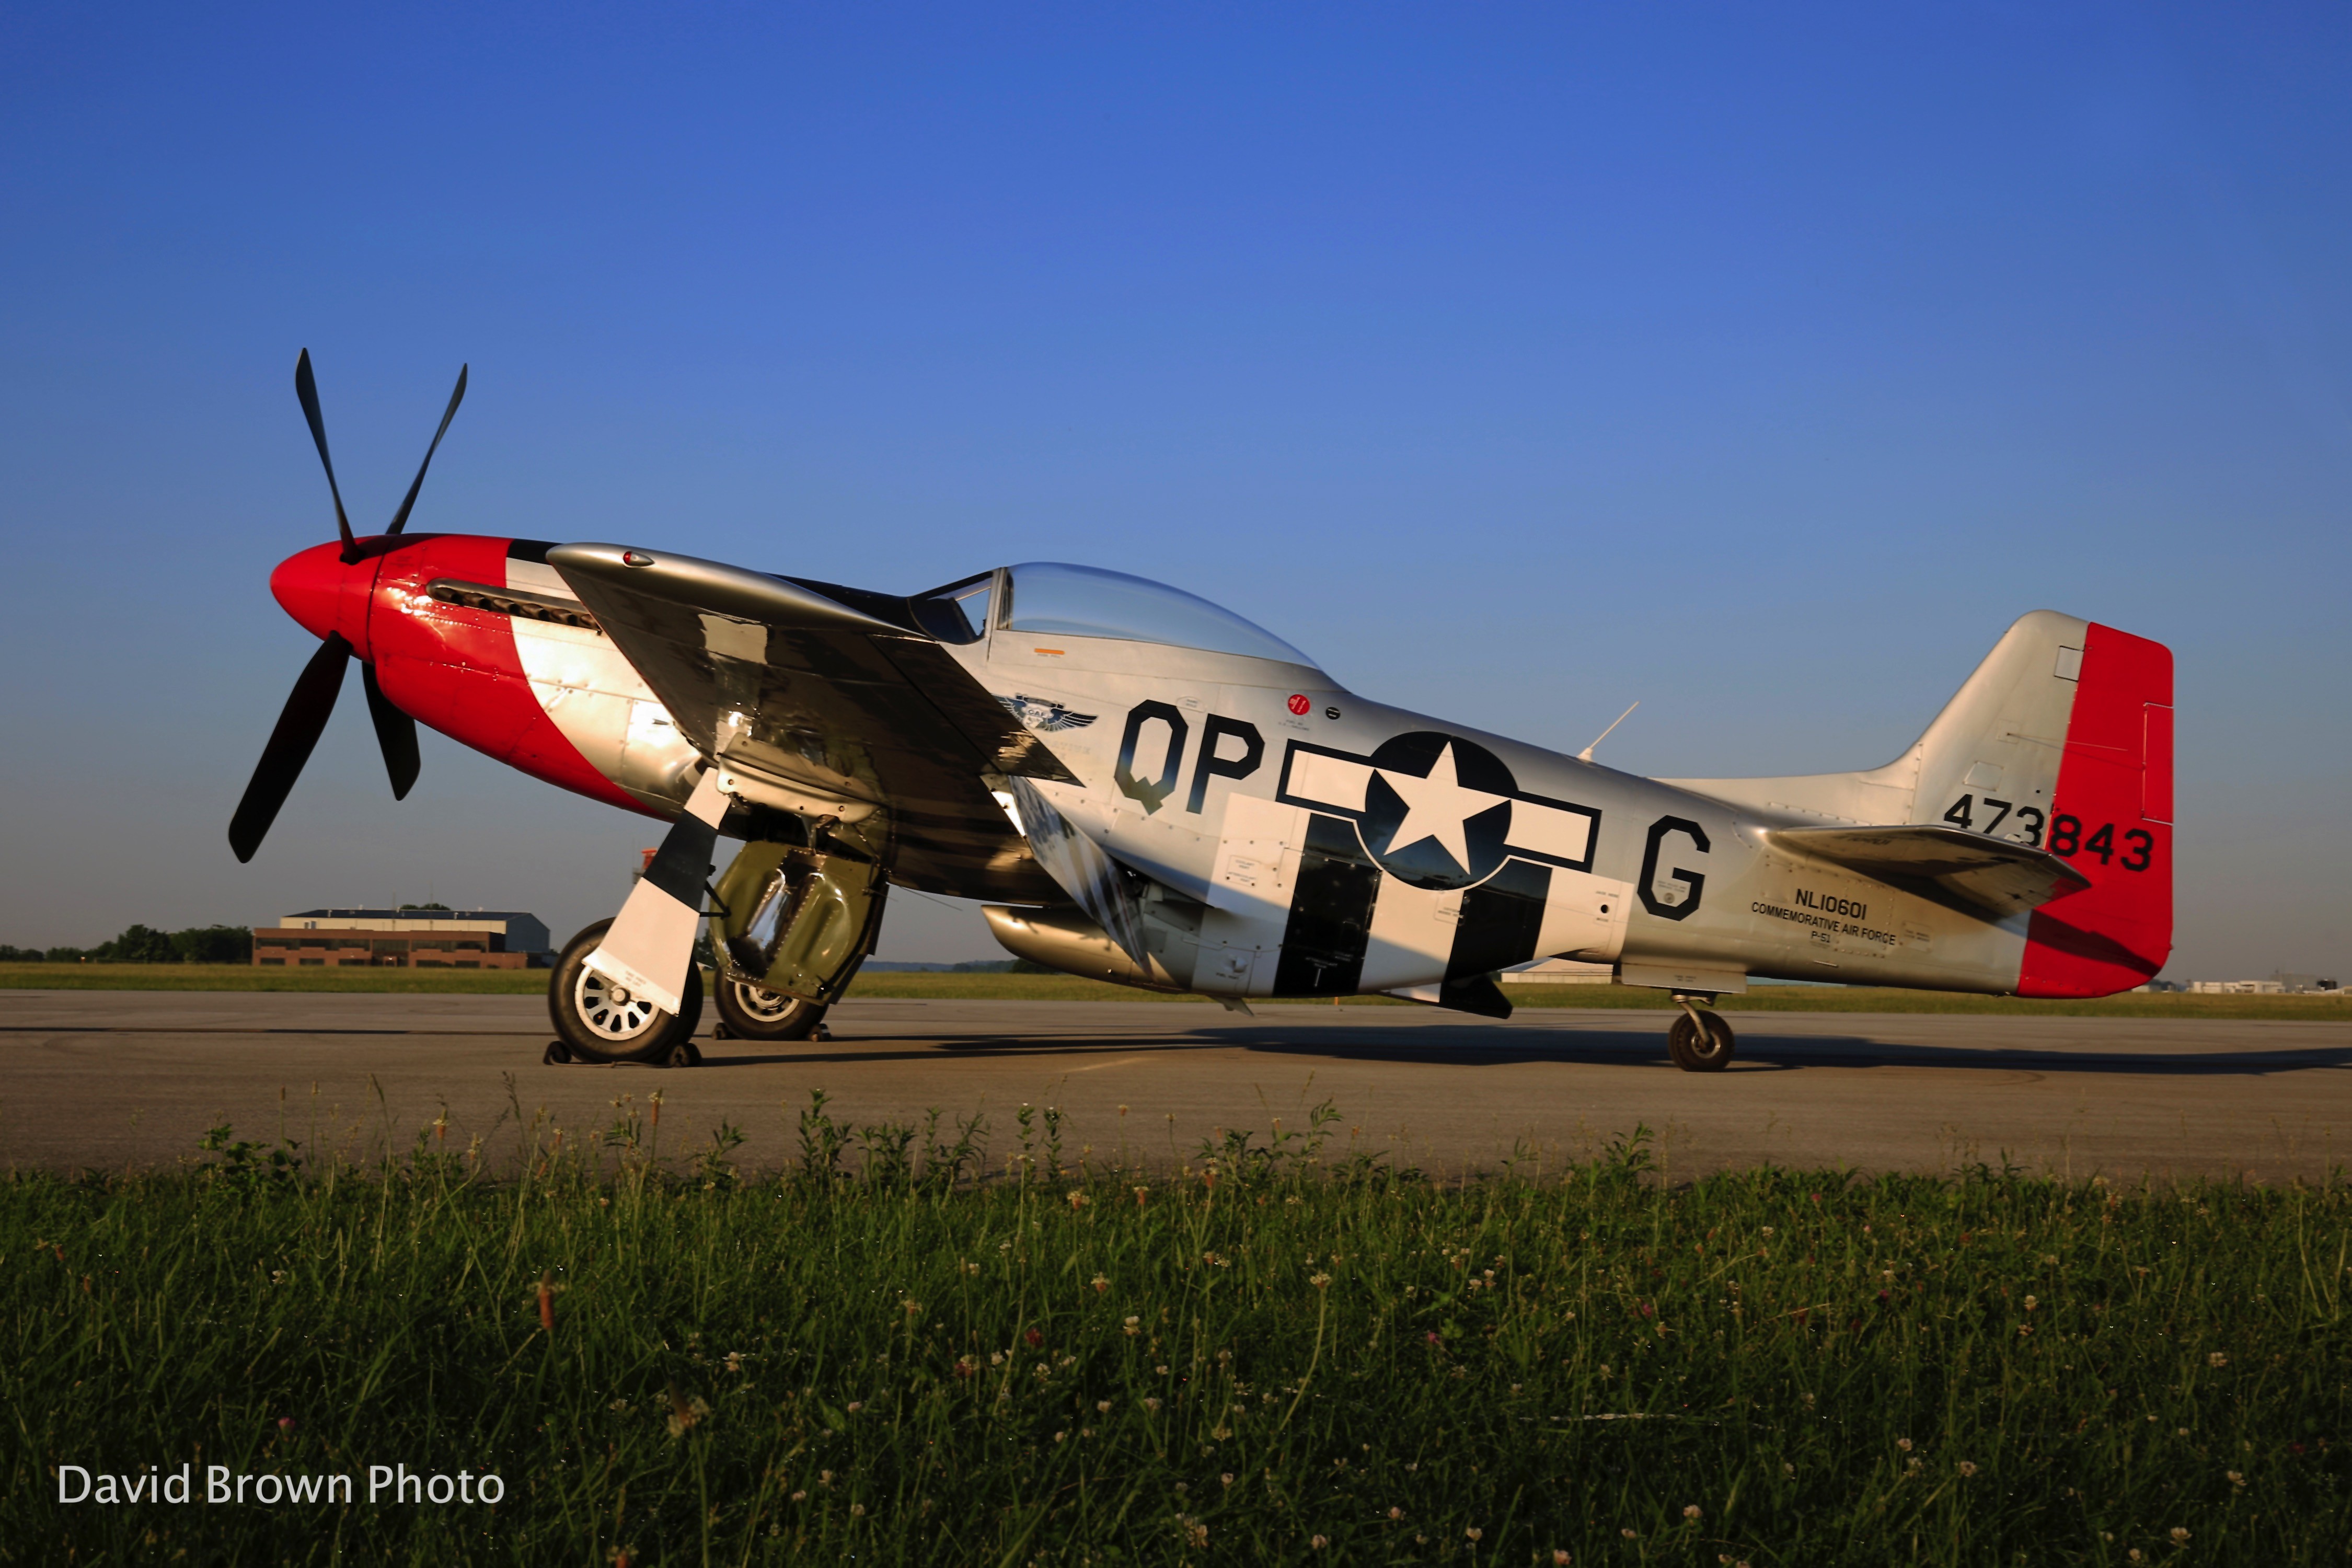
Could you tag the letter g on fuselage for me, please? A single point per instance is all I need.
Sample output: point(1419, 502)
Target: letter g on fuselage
point(1695, 882)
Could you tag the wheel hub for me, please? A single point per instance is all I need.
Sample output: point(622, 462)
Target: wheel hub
point(611, 1012)
point(759, 1002)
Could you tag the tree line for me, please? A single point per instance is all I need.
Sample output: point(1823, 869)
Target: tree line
point(146, 944)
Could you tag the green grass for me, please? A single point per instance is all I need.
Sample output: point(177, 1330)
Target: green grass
point(947, 987)
point(1285, 1358)
point(250, 977)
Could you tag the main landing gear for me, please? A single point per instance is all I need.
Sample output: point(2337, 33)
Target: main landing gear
point(1700, 1041)
point(597, 1021)
point(748, 1012)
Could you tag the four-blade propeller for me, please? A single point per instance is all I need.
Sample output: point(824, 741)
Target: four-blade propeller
point(313, 699)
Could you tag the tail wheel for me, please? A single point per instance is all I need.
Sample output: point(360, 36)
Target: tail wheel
point(754, 1013)
point(1697, 1049)
point(601, 1022)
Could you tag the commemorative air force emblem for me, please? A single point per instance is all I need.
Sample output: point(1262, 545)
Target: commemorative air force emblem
point(1041, 714)
point(1438, 811)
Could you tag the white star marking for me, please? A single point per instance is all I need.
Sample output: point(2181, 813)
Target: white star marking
point(1437, 807)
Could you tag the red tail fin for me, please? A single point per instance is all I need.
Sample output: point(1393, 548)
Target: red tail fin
point(2112, 820)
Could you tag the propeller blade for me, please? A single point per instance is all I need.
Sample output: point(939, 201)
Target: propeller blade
point(298, 727)
point(306, 388)
point(395, 732)
point(400, 518)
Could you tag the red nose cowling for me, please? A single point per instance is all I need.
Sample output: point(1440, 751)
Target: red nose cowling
point(324, 594)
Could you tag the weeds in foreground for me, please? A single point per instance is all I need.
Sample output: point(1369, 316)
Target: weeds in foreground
point(1265, 1357)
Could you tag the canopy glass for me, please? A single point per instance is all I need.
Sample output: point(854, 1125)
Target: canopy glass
point(1054, 599)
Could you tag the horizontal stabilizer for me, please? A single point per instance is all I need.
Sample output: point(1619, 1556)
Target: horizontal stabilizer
point(1992, 874)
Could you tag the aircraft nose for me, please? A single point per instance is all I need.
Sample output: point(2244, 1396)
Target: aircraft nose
point(325, 594)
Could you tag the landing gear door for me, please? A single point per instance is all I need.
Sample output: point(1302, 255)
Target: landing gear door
point(797, 922)
point(1583, 917)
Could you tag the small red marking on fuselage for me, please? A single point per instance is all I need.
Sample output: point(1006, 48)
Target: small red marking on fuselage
point(1298, 703)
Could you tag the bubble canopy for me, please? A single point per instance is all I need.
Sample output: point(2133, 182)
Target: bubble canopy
point(1057, 599)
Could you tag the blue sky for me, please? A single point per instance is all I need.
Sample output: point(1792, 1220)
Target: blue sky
point(1758, 362)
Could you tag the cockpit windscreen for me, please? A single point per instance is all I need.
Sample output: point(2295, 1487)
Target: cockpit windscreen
point(1053, 598)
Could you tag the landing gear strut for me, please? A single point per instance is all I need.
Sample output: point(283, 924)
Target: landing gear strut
point(1700, 1041)
point(598, 1021)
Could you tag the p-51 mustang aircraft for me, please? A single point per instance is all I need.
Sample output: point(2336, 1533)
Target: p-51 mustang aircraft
point(1151, 790)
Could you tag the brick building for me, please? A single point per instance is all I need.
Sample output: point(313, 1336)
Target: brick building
point(405, 939)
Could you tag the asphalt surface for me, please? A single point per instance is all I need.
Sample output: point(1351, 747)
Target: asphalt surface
point(123, 1079)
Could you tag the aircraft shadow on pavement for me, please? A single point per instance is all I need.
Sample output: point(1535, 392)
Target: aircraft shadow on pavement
point(1477, 1045)
point(1789, 1053)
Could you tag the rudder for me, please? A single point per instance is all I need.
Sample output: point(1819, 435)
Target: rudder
point(2111, 819)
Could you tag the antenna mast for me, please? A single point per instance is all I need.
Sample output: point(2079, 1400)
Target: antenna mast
point(1586, 756)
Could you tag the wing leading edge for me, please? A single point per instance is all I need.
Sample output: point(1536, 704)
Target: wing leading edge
point(827, 707)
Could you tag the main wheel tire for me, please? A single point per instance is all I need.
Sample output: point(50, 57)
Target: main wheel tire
point(603, 1022)
point(1694, 1051)
point(754, 1013)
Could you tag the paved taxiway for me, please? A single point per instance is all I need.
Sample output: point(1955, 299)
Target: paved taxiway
point(111, 1079)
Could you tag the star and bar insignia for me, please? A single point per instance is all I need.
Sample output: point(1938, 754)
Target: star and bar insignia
point(1438, 811)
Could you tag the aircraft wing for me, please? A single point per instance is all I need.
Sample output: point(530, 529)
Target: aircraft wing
point(812, 703)
point(1994, 876)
